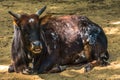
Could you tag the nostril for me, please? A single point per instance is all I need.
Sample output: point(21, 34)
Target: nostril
point(36, 43)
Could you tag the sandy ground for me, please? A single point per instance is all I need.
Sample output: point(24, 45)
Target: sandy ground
point(106, 13)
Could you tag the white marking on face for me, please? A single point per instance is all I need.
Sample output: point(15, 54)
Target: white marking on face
point(31, 20)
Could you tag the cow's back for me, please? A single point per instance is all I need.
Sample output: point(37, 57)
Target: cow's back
point(66, 27)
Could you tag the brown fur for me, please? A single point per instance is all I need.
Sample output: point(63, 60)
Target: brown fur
point(68, 31)
point(65, 40)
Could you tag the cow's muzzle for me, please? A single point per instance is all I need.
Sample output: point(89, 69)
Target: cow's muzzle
point(36, 47)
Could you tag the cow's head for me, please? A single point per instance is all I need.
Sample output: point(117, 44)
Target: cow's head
point(29, 26)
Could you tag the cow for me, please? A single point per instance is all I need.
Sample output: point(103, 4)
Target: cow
point(50, 43)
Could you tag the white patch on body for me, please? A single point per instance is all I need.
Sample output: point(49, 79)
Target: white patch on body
point(31, 20)
point(54, 36)
point(68, 25)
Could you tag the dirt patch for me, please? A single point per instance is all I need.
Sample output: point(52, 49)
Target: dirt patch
point(3, 68)
point(105, 13)
point(112, 30)
point(116, 23)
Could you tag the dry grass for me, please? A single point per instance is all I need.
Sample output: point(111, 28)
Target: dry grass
point(105, 13)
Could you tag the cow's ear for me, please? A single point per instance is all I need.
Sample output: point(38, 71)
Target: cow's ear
point(15, 23)
point(44, 19)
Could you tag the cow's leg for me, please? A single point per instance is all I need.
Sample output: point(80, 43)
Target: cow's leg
point(47, 64)
point(84, 56)
point(100, 60)
point(27, 71)
point(80, 58)
point(28, 67)
point(37, 62)
point(18, 67)
point(91, 65)
point(87, 51)
point(57, 69)
point(13, 68)
point(54, 69)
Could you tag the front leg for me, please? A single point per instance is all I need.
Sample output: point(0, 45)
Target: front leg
point(58, 68)
point(52, 56)
point(47, 64)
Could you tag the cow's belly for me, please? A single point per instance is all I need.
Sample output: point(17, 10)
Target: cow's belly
point(70, 51)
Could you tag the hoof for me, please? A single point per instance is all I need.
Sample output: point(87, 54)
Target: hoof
point(11, 69)
point(88, 67)
point(27, 71)
point(58, 69)
point(62, 68)
point(105, 63)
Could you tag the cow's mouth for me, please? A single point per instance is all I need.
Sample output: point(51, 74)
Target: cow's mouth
point(36, 47)
point(37, 50)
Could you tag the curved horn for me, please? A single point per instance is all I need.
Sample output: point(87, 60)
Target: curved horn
point(17, 16)
point(39, 12)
